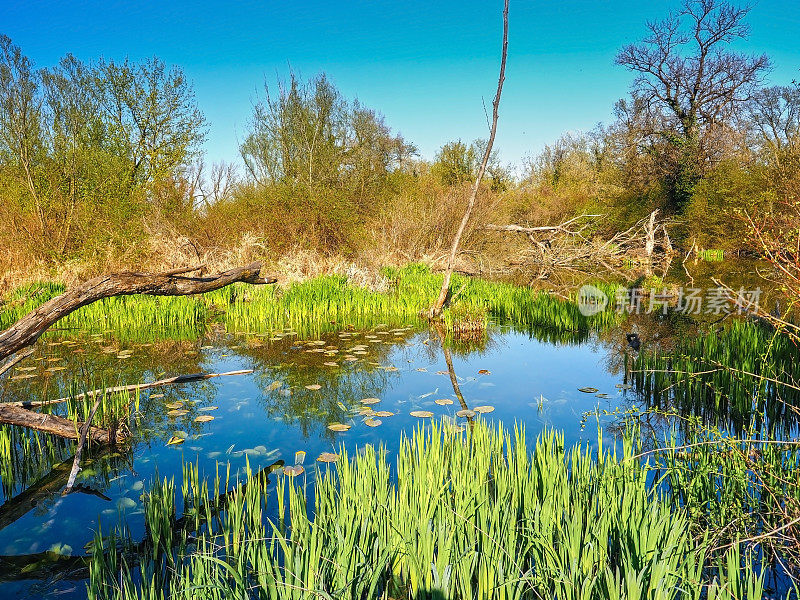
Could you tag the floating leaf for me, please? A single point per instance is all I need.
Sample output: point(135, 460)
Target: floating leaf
point(422, 414)
point(481, 410)
point(484, 372)
point(422, 370)
point(443, 401)
point(588, 390)
point(208, 408)
point(204, 419)
point(328, 457)
point(293, 471)
point(299, 457)
point(466, 413)
point(173, 405)
point(338, 427)
point(178, 413)
point(366, 412)
point(314, 387)
point(175, 440)
point(370, 400)
point(331, 364)
point(373, 422)
point(156, 396)
point(604, 396)
point(383, 413)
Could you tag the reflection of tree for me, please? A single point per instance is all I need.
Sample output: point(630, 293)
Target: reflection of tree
point(284, 369)
point(451, 371)
point(48, 488)
point(88, 362)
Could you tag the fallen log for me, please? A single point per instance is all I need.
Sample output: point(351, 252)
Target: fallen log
point(65, 428)
point(30, 327)
point(128, 388)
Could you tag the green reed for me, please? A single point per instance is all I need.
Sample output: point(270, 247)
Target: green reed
point(745, 374)
point(472, 515)
point(315, 306)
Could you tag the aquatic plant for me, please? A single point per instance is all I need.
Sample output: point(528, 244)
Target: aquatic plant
point(744, 375)
point(460, 516)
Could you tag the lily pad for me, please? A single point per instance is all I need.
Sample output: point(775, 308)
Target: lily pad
point(383, 413)
point(204, 419)
point(482, 410)
point(373, 422)
point(443, 401)
point(338, 427)
point(293, 471)
point(327, 457)
point(588, 390)
point(422, 414)
point(314, 387)
point(175, 440)
point(370, 400)
point(178, 412)
point(466, 413)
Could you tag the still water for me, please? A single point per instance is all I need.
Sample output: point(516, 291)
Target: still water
point(293, 390)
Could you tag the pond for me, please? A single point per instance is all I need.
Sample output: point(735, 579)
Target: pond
point(290, 398)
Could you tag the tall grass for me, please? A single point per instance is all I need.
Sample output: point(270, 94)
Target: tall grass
point(745, 375)
point(318, 305)
point(457, 516)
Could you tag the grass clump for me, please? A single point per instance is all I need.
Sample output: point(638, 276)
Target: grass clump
point(457, 516)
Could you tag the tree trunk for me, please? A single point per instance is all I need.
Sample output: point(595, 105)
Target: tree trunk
point(436, 309)
point(28, 329)
point(65, 428)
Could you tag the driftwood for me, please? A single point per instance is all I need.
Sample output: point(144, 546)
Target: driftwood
point(128, 388)
point(572, 243)
point(30, 327)
point(65, 428)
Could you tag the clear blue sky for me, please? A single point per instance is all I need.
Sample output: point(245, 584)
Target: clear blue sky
point(427, 66)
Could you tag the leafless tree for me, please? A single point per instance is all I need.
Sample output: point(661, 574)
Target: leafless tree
point(436, 309)
point(691, 83)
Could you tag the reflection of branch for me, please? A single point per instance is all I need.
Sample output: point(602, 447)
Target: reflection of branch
point(49, 565)
point(15, 360)
point(448, 358)
point(46, 487)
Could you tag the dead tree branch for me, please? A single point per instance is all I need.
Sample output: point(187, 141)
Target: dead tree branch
point(436, 309)
point(28, 329)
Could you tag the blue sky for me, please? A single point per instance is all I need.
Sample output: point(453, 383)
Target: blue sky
point(427, 66)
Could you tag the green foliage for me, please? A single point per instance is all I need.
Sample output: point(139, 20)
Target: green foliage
point(82, 145)
point(744, 375)
point(457, 516)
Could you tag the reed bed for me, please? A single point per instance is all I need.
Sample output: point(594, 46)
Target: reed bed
point(745, 375)
point(316, 306)
point(458, 515)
